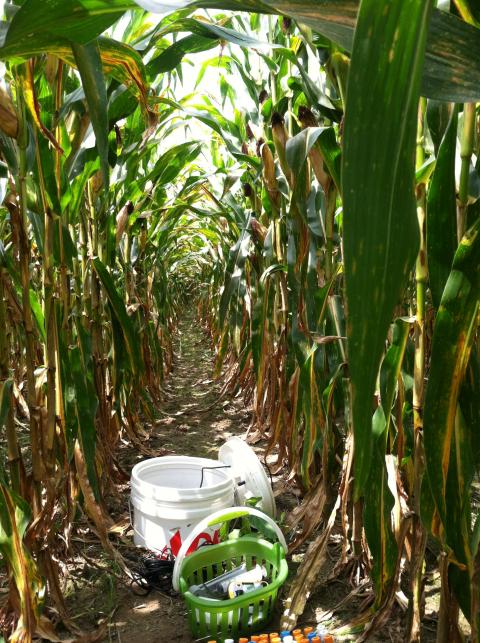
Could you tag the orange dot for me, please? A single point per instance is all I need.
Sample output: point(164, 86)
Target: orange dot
point(307, 630)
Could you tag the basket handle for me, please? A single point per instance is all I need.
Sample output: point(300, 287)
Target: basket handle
point(223, 515)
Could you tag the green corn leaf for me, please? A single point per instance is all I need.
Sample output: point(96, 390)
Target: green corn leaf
point(453, 335)
point(234, 271)
point(5, 400)
point(80, 400)
point(378, 506)
point(34, 29)
point(378, 497)
point(37, 26)
point(119, 60)
point(120, 355)
point(391, 365)
point(70, 251)
point(299, 146)
point(470, 404)
point(297, 149)
point(85, 406)
point(380, 225)
point(451, 72)
point(476, 535)
point(89, 63)
point(37, 311)
point(438, 117)
point(208, 30)
point(38, 226)
point(457, 534)
point(298, 343)
point(15, 516)
point(425, 171)
point(120, 312)
point(172, 162)
point(260, 326)
point(332, 155)
point(311, 384)
point(442, 213)
point(173, 55)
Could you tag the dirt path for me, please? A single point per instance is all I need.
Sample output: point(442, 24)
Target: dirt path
point(194, 422)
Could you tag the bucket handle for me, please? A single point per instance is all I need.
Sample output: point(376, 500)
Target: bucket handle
point(223, 515)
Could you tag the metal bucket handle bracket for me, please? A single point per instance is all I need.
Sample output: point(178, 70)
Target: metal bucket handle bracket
point(223, 515)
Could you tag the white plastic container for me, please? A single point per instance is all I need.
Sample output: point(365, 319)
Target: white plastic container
point(172, 494)
point(168, 500)
point(250, 478)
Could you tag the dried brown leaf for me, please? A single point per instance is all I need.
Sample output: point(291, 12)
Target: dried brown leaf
point(8, 115)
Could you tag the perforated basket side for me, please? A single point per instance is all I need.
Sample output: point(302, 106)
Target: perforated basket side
point(243, 614)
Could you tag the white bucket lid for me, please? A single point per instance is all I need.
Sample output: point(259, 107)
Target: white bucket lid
point(247, 470)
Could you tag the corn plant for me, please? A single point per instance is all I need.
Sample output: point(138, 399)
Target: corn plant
point(332, 252)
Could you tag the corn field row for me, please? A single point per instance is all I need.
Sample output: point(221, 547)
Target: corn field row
point(327, 228)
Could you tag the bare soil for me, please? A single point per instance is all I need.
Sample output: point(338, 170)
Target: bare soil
point(196, 420)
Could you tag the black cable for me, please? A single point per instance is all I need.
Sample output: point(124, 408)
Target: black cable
point(153, 572)
point(222, 466)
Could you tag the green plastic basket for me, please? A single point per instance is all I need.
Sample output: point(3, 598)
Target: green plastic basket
point(241, 615)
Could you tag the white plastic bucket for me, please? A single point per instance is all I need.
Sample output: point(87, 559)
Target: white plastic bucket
point(168, 501)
